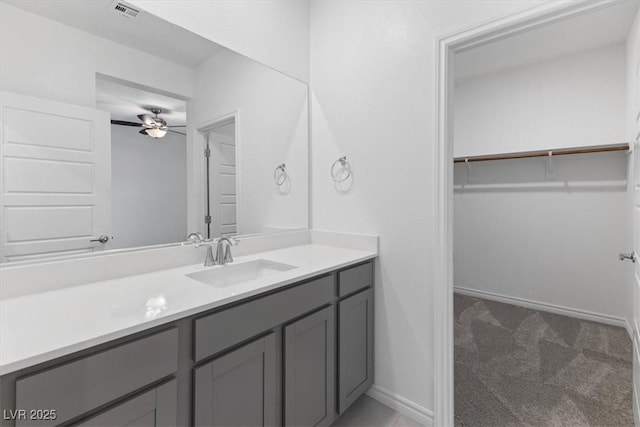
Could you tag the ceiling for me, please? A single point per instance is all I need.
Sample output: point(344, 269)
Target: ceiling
point(604, 27)
point(146, 32)
point(126, 102)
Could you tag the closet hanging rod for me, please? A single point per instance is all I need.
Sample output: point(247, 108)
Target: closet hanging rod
point(545, 153)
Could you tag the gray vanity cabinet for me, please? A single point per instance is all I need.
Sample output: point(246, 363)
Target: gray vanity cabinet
point(238, 388)
point(355, 343)
point(154, 408)
point(309, 370)
point(296, 356)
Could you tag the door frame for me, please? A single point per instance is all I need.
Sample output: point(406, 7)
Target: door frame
point(446, 47)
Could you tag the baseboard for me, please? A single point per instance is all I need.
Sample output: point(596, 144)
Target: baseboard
point(402, 405)
point(629, 329)
point(543, 306)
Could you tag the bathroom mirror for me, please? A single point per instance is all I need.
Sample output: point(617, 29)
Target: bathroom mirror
point(121, 130)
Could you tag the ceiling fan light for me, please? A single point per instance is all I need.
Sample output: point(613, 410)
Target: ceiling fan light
point(156, 132)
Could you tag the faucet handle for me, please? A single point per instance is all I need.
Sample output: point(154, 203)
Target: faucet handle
point(227, 254)
point(209, 259)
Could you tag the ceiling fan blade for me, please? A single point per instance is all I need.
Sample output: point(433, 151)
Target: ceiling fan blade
point(179, 133)
point(143, 131)
point(125, 123)
point(177, 126)
point(147, 119)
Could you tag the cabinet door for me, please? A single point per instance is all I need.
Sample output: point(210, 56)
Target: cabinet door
point(156, 407)
point(309, 370)
point(355, 355)
point(239, 388)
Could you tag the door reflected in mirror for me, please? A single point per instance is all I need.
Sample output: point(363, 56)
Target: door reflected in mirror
point(220, 176)
point(107, 122)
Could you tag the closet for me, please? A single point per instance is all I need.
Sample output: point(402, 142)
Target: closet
point(540, 180)
point(546, 305)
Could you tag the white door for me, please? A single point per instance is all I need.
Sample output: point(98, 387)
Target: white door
point(222, 180)
point(55, 179)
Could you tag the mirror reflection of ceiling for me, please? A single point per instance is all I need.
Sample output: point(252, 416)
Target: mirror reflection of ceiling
point(605, 27)
point(125, 103)
point(145, 32)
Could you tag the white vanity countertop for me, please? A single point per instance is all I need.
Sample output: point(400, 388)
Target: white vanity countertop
point(39, 327)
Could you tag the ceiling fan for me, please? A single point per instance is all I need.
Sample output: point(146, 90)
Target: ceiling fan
point(155, 127)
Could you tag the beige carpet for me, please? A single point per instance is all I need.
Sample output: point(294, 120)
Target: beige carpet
point(516, 367)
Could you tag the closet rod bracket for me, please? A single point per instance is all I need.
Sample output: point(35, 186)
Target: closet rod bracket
point(550, 173)
point(470, 176)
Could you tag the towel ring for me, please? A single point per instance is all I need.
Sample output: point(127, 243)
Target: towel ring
point(281, 177)
point(345, 166)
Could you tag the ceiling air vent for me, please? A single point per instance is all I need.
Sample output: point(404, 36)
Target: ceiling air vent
point(125, 10)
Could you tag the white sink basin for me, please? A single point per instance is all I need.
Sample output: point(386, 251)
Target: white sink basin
point(232, 274)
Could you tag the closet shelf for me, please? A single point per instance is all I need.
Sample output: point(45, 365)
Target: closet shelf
point(545, 153)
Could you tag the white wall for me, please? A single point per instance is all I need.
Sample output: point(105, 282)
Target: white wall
point(633, 133)
point(140, 166)
point(42, 58)
point(517, 234)
point(372, 74)
point(274, 32)
point(574, 100)
point(271, 129)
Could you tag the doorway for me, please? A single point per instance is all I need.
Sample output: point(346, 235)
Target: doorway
point(549, 171)
point(148, 163)
point(221, 187)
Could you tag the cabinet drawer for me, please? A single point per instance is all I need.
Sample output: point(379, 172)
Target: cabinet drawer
point(355, 278)
point(226, 328)
point(85, 384)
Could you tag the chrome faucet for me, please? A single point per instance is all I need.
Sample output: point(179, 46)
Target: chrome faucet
point(199, 240)
point(223, 251)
